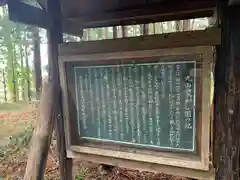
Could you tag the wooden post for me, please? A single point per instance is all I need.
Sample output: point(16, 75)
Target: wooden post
point(42, 135)
point(227, 96)
point(124, 33)
point(54, 38)
point(114, 32)
point(144, 29)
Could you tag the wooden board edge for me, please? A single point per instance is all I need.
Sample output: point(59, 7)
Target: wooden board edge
point(206, 106)
point(64, 94)
point(135, 54)
point(143, 166)
point(204, 164)
point(181, 162)
point(210, 36)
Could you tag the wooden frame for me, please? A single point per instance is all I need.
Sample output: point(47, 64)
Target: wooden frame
point(19, 12)
point(185, 162)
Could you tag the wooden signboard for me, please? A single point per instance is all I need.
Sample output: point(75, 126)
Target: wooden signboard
point(147, 108)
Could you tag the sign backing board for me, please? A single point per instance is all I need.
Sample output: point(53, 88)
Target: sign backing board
point(76, 68)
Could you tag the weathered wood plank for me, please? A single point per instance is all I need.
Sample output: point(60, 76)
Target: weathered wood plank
point(227, 99)
point(180, 39)
point(141, 15)
point(142, 166)
point(55, 37)
point(42, 134)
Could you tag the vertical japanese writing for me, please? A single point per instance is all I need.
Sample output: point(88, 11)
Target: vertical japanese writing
point(98, 115)
point(143, 105)
point(150, 104)
point(131, 101)
point(91, 93)
point(103, 101)
point(157, 104)
point(137, 105)
point(162, 71)
point(119, 88)
point(188, 105)
point(114, 91)
point(178, 104)
point(172, 135)
point(109, 111)
point(82, 103)
point(125, 88)
point(86, 89)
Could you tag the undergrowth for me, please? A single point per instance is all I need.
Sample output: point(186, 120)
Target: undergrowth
point(23, 139)
point(17, 143)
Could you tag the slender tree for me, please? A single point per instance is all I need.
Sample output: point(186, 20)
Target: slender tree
point(27, 70)
point(37, 61)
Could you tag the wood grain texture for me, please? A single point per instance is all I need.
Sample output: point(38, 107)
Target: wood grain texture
point(226, 98)
point(42, 134)
point(54, 35)
point(177, 161)
point(143, 166)
point(138, 14)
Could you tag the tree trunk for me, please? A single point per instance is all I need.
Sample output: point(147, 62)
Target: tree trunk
point(4, 85)
point(106, 33)
point(186, 25)
point(42, 134)
point(227, 100)
point(161, 27)
point(22, 74)
point(14, 98)
point(37, 61)
point(177, 26)
point(27, 68)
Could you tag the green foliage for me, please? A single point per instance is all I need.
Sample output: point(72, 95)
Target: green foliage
point(14, 38)
point(79, 177)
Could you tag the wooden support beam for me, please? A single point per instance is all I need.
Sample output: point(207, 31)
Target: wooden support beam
point(27, 14)
point(54, 38)
point(210, 36)
point(142, 15)
point(227, 100)
point(41, 139)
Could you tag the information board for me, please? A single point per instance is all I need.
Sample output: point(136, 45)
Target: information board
point(139, 104)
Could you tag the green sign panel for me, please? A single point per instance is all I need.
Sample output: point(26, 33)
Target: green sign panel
point(141, 104)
